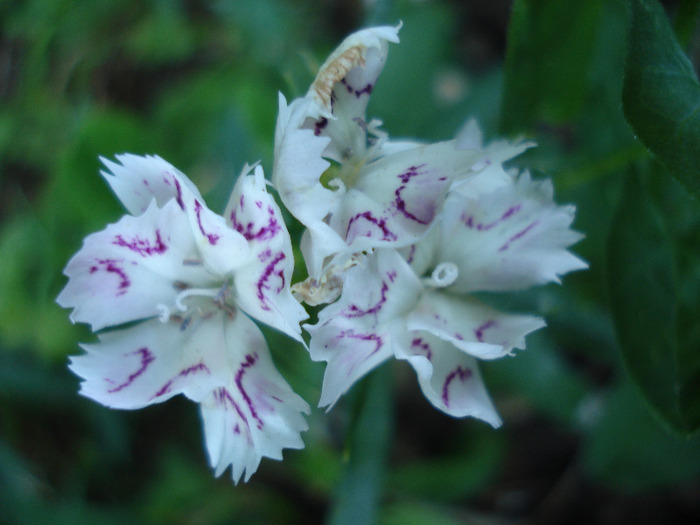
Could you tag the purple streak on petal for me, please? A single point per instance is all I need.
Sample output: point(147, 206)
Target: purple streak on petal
point(110, 266)
point(350, 334)
point(517, 236)
point(354, 311)
point(469, 222)
point(211, 237)
point(479, 331)
point(178, 189)
point(199, 367)
point(320, 126)
point(262, 283)
point(264, 255)
point(463, 374)
point(250, 360)
point(400, 203)
point(387, 235)
point(264, 233)
point(143, 247)
point(421, 346)
point(411, 253)
point(392, 275)
point(367, 90)
point(241, 201)
point(146, 359)
point(223, 397)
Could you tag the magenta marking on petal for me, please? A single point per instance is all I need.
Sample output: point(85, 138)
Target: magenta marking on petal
point(264, 233)
point(250, 360)
point(241, 202)
point(263, 284)
point(211, 237)
point(178, 189)
point(143, 247)
point(110, 266)
point(479, 332)
point(470, 223)
point(411, 172)
point(387, 235)
point(350, 334)
point(320, 126)
point(199, 367)
point(259, 204)
point(517, 236)
point(411, 253)
point(392, 275)
point(355, 311)
point(367, 90)
point(463, 374)
point(421, 346)
point(223, 397)
point(146, 359)
point(265, 255)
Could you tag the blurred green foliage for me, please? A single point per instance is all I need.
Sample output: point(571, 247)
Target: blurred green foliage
point(587, 407)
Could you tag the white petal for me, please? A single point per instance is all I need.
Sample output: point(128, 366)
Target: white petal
point(122, 273)
point(151, 362)
point(256, 414)
point(299, 164)
point(508, 239)
point(262, 285)
point(138, 180)
point(471, 326)
point(449, 378)
point(353, 334)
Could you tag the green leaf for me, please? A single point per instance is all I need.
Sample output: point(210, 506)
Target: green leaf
point(550, 45)
point(654, 278)
point(357, 495)
point(627, 448)
point(661, 94)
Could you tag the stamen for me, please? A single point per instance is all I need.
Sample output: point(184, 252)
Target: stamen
point(443, 275)
point(205, 292)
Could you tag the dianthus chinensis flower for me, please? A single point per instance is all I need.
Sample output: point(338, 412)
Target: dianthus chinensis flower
point(178, 285)
point(404, 233)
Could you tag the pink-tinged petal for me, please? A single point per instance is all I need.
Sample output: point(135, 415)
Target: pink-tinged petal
point(222, 249)
point(262, 285)
point(350, 353)
point(353, 334)
point(470, 325)
point(449, 378)
point(508, 239)
point(138, 180)
point(153, 361)
point(395, 199)
point(122, 273)
point(256, 414)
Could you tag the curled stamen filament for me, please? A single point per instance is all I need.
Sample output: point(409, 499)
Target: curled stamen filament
point(206, 292)
point(443, 275)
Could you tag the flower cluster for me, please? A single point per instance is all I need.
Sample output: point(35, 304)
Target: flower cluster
point(399, 236)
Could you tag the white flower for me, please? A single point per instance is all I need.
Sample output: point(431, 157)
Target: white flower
point(344, 180)
point(187, 280)
point(415, 305)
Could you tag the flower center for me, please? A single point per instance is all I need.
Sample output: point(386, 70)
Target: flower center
point(191, 302)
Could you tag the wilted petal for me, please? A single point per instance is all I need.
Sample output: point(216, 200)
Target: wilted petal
point(449, 378)
point(255, 414)
point(470, 325)
point(138, 180)
point(508, 239)
point(349, 74)
point(153, 361)
point(122, 273)
point(263, 284)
